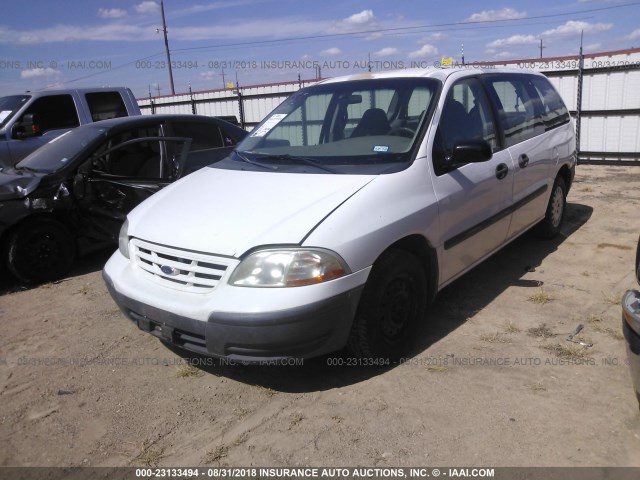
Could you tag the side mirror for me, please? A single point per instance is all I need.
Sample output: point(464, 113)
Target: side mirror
point(27, 127)
point(79, 186)
point(469, 151)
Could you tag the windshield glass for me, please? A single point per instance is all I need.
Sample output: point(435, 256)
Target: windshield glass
point(60, 151)
point(10, 105)
point(362, 126)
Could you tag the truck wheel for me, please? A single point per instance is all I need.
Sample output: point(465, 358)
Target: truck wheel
point(40, 250)
point(391, 307)
point(550, 225)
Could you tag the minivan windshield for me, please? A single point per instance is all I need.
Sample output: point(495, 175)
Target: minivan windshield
point(361, 126)
point(10, 105)
point(60, 151)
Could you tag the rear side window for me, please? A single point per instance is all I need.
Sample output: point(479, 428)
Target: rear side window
point(203, 135)
point(105, 105)
point(520, 107)
point(555, 111)
point(54, 112)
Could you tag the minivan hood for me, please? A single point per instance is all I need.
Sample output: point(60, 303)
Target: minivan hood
point(228, 212)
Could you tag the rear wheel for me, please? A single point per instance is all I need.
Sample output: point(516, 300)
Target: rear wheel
point(40, 250)
point(392, 305)
point(550, 226)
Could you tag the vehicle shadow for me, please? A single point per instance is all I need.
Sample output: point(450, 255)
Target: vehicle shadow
point(453, 306)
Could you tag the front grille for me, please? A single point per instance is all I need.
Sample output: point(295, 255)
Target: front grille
point(181, 269)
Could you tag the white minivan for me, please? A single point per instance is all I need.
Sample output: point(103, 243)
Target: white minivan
point(343, 213)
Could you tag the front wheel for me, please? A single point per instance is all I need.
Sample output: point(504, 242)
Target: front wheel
point(392, 305)
point(40, 250)
point(550, 225)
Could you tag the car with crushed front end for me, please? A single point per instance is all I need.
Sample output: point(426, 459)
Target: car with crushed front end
point(72, 195)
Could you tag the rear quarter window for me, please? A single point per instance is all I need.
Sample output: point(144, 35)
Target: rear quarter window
point(555, 111)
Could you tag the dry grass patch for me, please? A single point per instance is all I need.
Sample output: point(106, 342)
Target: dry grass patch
point(537, 387)
point(570, 351)
point(597, 323)
point(437, 368)
point(149, 456)
point(611, 298)
point(541, 297)
point(495, 338)
point(217, 454)
point(511, 327)
point(541, 331)
point(186, 370)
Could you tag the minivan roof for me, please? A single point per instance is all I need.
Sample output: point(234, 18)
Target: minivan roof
point(438, 73)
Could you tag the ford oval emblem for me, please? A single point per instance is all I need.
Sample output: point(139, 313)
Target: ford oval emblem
point(169, 270)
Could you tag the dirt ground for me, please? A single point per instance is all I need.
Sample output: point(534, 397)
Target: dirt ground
point(492, 381)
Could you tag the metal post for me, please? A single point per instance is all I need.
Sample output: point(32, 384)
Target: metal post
point(579, 98)
point(166, 46)
point(193, 103)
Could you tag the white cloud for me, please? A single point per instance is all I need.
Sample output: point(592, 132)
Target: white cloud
point(634, 35)
point(592, 47)
point(502, 14)
point(575, 27)
point(386, 52)
point(514, 40)
point(111, 13)
point(365, 17)
point(432, 37)
point(426, 51)
point(40, 72)
point(331, 52)
point(208, 75)
point(148, 6)
point(504, 55)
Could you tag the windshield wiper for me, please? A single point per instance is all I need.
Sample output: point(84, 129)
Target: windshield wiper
point(252, 162)
point(304, 160)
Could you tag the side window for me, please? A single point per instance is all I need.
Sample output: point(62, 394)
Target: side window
point(104, 105)
point(521, 112)
point(555, 111)
point(466, 116)
point(54, 112)
point(130, 154)
point(203, 135)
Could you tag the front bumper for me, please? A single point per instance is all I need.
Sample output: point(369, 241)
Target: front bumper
point(631, 330)
point(299, 332)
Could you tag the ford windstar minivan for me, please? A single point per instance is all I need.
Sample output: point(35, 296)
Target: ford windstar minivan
point(344, 212)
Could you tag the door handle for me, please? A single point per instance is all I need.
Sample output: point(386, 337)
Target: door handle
point(523, 160)
point(501, 171)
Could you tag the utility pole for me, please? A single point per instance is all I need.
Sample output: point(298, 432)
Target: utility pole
point(462, 51)
point(541, 47)
point(579, 97)
point(166, 46)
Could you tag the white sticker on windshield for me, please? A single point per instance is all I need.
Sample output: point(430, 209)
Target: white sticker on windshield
point(381, 148)
point(268, 125)
point(4, 114)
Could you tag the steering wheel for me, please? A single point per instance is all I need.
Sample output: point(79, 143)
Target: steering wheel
point(402, 132)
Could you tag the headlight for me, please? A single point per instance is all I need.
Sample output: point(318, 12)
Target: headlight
point(123, 239)
point(288, 268)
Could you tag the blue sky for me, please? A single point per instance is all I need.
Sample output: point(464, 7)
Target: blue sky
point(114, 42)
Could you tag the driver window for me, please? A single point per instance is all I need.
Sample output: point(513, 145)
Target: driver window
point(137, 159)
point(466, 116)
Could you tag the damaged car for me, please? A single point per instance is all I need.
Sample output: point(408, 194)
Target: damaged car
point(71, 196)
point(631, 327)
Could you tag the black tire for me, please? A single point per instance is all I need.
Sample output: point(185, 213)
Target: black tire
point(391, 308)
point(40, 250)
point(551, 224)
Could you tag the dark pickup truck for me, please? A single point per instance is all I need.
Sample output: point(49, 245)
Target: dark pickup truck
point(72, 195)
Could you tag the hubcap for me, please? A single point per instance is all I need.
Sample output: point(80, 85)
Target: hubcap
point(398, 305)
point(557, 205)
